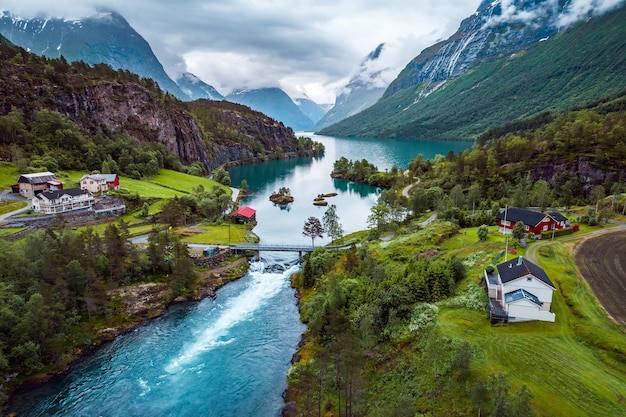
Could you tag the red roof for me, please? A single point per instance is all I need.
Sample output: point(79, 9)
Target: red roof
point(246, 212)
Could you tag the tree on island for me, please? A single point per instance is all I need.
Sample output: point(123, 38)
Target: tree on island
point(283, 196)
point(332, 227)
point(313, 228)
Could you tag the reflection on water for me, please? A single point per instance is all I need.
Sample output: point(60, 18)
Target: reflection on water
point(308, 177)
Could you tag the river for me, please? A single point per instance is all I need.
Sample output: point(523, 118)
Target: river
point(227, 356)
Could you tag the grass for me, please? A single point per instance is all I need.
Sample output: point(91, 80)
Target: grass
point(168, 184)
point(8, 175)
point(9, 206)
point(10, 231)
point(574, 367)
point(215, 234)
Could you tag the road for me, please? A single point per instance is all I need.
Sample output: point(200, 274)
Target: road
point(531, 252)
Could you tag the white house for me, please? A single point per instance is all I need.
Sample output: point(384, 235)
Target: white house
point(519, 290)
point(93, 183)
point(61, 201)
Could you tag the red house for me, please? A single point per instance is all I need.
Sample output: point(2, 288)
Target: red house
point(245, 215)
point(534, 221)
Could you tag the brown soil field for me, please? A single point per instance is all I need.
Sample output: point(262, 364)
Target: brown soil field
point(602, 262)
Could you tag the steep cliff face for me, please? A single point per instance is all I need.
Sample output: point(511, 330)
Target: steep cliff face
point(106, 102)
point(495, 31)
point(128, 108)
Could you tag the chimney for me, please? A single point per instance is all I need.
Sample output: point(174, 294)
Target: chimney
point(519, 261)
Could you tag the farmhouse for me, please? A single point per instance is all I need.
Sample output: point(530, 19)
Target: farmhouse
point(30, 184)
point(519, 290)
point(96, 183)
point(534, 221)
point(60, 201)
point(244, 215)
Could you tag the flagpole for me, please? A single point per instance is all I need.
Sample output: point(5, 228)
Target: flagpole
point(506, 236)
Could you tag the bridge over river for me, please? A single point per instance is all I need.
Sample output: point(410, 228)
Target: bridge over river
point(260, 247)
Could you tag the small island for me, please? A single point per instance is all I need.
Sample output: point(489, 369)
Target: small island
point(283, 196)
point(319, 200)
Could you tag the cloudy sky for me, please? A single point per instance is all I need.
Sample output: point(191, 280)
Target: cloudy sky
point(306, 47)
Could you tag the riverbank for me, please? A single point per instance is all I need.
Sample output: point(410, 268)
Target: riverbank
point(140, 304)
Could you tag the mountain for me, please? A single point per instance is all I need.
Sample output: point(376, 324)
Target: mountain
point(311, 109)
point(103, 38)
point(363, 90)
point(107, 106)
point(195, 88)
point(502, 65)
point(275, 103)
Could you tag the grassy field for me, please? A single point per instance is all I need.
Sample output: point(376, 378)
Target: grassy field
point(575, 366)
point(167, 184)
point(216, 234)
point(8, 175)
point(10, 230)
point(9, 206)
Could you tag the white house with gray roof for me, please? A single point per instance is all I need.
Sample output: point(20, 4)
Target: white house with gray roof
point(62, 201)
point(519, 290)
point(96, 183)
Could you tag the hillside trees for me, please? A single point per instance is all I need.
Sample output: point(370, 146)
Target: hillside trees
point(54, 286)
point(370, 307)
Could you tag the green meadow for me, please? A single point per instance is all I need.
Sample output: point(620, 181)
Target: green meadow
point(573, 367)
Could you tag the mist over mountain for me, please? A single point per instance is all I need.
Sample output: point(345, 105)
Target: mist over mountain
point(311, 109)
point(363, 90)
point(103, 38)
point(275, 103)
point(195, 88)
point(509, 60)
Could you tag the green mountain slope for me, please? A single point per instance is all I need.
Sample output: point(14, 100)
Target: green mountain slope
point(579, 65)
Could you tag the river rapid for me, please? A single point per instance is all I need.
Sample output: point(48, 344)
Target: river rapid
point(227, 356)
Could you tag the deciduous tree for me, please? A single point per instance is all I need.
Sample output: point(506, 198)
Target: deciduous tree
point(313, 228)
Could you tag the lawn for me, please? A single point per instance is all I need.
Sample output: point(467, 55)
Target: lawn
point(9, 206)
point(574, 367)
point(167, 184)
point(10, 231)
point(223, 234)
point(8, 175)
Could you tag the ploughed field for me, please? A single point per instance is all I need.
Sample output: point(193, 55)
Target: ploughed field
point(602, 261)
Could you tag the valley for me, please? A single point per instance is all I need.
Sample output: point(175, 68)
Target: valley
point(521, 110)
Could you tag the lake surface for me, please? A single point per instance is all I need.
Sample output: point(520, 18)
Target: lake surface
point(227, 356)
point(308, 177)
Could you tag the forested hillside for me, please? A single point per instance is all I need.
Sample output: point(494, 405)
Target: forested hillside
point(399, 326)
point(56, 111)
point(573, 68)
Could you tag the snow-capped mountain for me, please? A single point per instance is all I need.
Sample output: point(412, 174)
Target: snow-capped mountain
point(103, 38)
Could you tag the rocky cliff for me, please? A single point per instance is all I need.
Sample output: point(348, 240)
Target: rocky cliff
point(106, 102)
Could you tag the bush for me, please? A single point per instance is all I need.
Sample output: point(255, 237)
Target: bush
point(547, 234)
